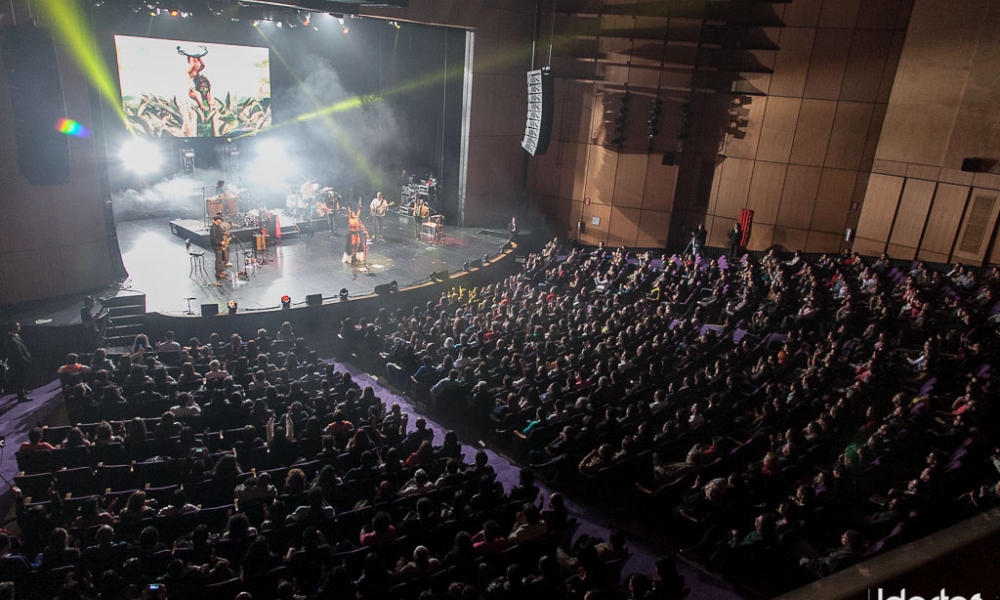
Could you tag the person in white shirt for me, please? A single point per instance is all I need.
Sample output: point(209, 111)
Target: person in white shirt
point(168, 345)
point(215, 371)
point(186, 406)
point(378, 208)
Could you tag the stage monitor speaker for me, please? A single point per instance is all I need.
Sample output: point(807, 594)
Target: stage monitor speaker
point(383, 289)
point(36, 99)
point(476, 264)
point(440, 275)
point(669, 159)
point(209, 310)
point(538, 128)
point(975, 165)
point(314, 300)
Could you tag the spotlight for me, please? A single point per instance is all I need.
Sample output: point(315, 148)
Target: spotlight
point(344, 294)
point(286, 301)
point(232, 306)
point(394, 285)
point(303, 18)
point(278, 24)
point(141, 156)
point(486, 258)
point(175, 12)
point(465, 266)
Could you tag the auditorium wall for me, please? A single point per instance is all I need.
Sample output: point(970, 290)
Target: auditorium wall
point(792, 138)
point(53, 238)
point(942, 113)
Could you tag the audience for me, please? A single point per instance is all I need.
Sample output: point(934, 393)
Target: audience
point(750, 400)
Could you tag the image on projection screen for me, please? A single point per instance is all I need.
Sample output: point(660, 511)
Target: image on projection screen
point(193, 89)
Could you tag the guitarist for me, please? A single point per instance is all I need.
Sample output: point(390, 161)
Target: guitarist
point(379, 207)
point(220, 244)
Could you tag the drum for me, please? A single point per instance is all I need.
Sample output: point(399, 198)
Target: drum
point(230, 204)
point(213, 205)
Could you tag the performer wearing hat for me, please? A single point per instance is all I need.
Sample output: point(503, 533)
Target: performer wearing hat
point(220, 244)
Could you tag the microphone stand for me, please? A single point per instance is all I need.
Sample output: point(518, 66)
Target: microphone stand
point(243, 274)
point(204, 208)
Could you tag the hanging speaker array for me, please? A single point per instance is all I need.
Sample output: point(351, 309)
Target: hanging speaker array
point(538, 127)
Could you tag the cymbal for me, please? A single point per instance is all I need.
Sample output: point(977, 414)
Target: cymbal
point(326, 189)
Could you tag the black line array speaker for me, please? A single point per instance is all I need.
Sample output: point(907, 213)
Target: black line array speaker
point(36, 98)
point(538, 128)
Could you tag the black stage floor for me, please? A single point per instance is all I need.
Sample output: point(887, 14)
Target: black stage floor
point(160, 267)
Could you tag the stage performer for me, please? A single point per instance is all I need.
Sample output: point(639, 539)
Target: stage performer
point(220, 244)
point(379, 207)
point(332, 206)
point(420, 212)
point(353, 235)
point(308, 191)
point(18, 361)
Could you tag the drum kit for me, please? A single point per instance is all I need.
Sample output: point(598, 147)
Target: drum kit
point(227, 203)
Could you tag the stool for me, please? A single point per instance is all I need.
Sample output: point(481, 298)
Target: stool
point(197, 263)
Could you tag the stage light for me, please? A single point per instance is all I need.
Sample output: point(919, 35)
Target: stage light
point(232, 306)
point(286, 301)
point(278, 24)
point(394, 285)
point(141, 156)
point(344, 294)
point(486, 258)
point(174, 12)
point(303, 18)
point(465, 266)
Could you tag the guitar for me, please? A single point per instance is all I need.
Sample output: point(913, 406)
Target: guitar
point(382, 209)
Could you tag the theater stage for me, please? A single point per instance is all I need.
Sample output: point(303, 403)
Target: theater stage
point(309, 262)
point(160, 267)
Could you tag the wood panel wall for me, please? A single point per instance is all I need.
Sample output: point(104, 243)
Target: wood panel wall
point(941, 110)
point(818, 127)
